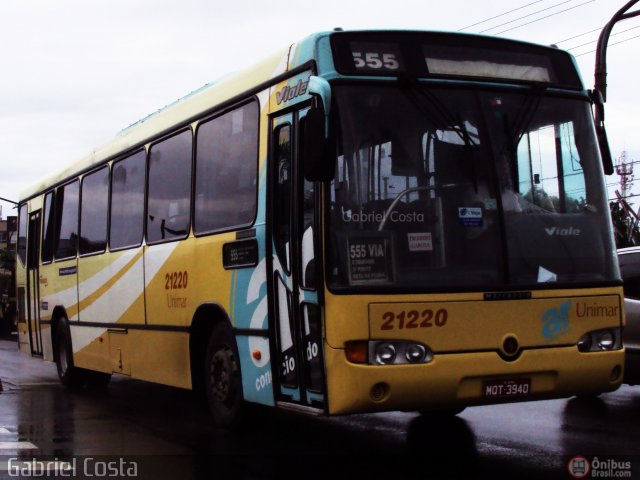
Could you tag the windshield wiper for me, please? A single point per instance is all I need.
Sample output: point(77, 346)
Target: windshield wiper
point(522, 121)
point(412, 86)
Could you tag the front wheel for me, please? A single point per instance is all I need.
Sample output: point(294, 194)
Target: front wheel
point(69, 375)
point(223, 382)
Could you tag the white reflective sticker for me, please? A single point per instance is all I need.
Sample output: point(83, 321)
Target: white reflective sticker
point(545, 275)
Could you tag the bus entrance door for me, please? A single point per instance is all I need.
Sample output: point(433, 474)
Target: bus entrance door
point(33, 284)
point(297, 330)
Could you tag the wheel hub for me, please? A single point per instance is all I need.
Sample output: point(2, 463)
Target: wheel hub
point(221, 373)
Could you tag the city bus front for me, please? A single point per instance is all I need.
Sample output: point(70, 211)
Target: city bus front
point(467, 240)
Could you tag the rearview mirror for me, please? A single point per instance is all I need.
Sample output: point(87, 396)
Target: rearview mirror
point(605, 152)
point(601, 132)
point(318, 166)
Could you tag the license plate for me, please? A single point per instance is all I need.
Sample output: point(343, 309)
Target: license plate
point(507, 388)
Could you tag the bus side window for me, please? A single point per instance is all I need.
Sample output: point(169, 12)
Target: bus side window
point(226, 170)
point(94, 205)
point(22, 233)
point(66, 238)
point(47, 232)
point(169, 195)
point(127, 202)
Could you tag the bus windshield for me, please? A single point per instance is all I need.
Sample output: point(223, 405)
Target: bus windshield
point(444, 188)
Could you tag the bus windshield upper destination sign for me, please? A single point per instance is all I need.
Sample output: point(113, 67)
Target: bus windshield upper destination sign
point(375, 57)
point(437, 54)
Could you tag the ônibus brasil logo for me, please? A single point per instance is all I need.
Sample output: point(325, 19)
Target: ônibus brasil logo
point(579, 467)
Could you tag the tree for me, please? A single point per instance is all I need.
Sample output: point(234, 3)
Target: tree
point(625, 230)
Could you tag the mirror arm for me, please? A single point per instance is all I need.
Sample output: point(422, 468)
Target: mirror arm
point(320, 88)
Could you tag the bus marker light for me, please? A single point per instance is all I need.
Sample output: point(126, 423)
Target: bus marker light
point(357, 352)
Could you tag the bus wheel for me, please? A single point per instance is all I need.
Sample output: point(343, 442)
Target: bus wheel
point(69, 375)
point(223, 384)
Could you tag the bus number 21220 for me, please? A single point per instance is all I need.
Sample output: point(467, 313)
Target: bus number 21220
point(414, 319)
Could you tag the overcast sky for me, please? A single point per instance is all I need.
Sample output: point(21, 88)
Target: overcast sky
point(75, 72)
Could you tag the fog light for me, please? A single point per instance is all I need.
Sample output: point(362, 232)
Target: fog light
point(379, 392)
point(616, 373)
point(606, 340)
point(385, 353)
point(584, 344)
point(416, 353)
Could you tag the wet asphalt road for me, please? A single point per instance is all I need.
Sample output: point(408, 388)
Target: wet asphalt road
point(168, 435)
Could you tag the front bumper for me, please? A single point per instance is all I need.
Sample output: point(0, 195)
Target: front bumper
point(457, 379)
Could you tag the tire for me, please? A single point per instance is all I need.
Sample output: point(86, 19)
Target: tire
point(69, 375)
point(222, 378)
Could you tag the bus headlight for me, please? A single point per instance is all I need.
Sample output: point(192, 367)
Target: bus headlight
point(385, 353)
point(600, 341)
point(398, 353)
point(605, 340)
point(584, 344)
point(415, 353)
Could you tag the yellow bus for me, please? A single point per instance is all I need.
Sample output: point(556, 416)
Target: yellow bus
point(365, 221)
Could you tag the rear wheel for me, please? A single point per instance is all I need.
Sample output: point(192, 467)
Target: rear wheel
point(69, 375)
point(223, 383)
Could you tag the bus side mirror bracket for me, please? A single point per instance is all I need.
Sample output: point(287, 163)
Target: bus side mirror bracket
point(318, 167)
point(601, 132)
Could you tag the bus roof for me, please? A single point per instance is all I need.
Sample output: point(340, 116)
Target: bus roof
point(230, 87)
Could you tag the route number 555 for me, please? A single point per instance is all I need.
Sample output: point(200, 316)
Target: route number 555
point(375, 60)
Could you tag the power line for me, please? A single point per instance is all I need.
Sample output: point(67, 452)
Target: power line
point(500, 15)
point(610, 45)
point(579, 35)
point(527, 15)
point(594, 41)
point(546, 16)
